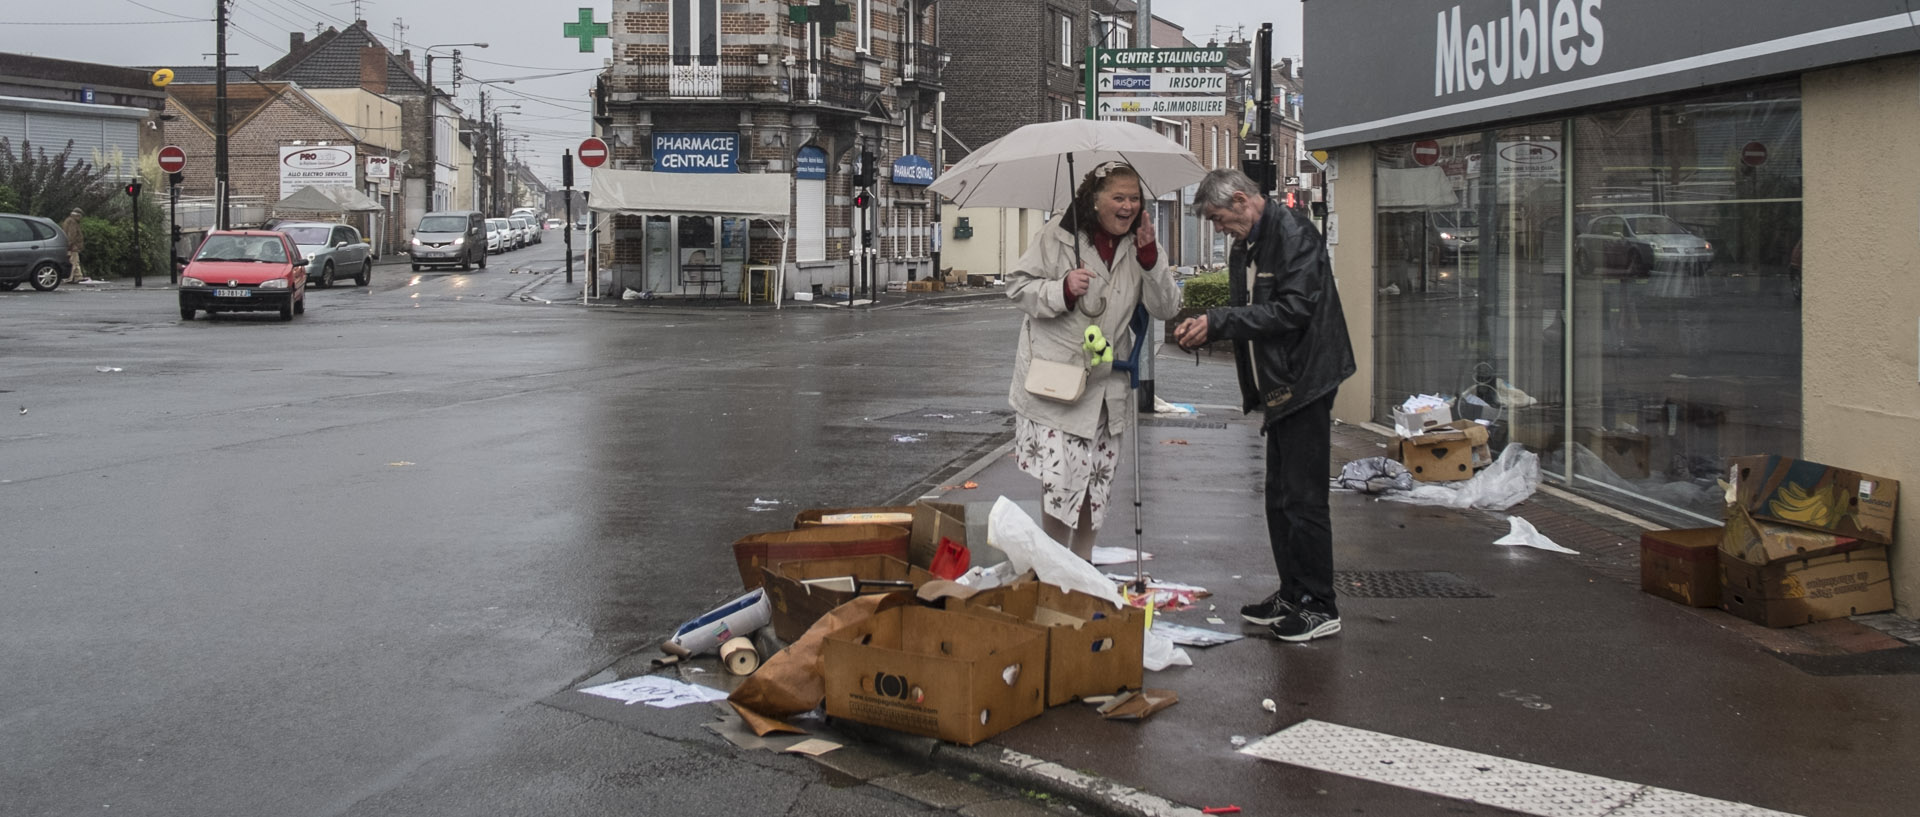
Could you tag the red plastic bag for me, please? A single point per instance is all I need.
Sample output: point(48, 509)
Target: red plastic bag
point(950, 560)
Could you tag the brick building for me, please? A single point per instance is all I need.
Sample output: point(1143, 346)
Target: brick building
point(109, 114)
point(706, 86)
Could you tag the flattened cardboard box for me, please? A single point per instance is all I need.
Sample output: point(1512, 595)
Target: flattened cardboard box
point(1811, 495)
point(1093, 648)
point(1682, 565)
point(755, 551)
point(1447, 455)
point(931, 672)
point(1802, 591)
point(797, 605)
point(1755, 542)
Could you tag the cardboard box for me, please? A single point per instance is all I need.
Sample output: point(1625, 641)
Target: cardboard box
point(1758, 543)
point(924, 671)
point(759, 550)
point(1447, 455)
point(1682, 565)
point(1093, 648)
point(926, 285)
point(930, 522)
point(1812, 495)
point(897, 515)
point(1415, 423)
point(1802, 591)
point(796, 604)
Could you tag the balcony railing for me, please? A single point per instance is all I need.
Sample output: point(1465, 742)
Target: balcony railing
point(840, 86)
point(698, 81)
point(921, 63)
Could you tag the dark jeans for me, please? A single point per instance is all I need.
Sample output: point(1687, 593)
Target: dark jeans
point(1298, 522)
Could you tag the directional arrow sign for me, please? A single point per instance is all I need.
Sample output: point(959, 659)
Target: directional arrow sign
point(1164, 106)
point(1160, 57)
point(1193, 83)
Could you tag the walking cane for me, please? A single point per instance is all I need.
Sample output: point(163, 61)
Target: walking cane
point(1139, 324)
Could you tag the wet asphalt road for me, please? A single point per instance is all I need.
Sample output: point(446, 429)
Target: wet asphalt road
point(332, 566)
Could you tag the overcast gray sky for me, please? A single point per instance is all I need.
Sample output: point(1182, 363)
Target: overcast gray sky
point(550, 75)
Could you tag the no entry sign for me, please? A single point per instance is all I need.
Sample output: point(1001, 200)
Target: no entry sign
point(1425, 153)
point(592, 152)
point(1754, 154)
point(172, 159)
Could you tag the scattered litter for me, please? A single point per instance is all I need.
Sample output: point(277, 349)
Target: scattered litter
point(399, 464)
point(812, 747)
point(715, 627)
point(1512, 477)
point(987, 578)
point(762, 505)
point(1173, 442)
point(1522, 532)
point(1163, 599)
point(759, 501)
point(1163, 407)
point(106, 369)
point(1220, 810)
point(969, 485)
point(1133, 706)
point(1510, 396)
point(739, 656)
point(1193, 636)
point(1373, 475)
point(1269, 705)
point(1116, 556)
point(1216, 620)
point(1238, 741)
point(1158, 652)
point(654, 690)
point(1415, 414)
point(1097, 700)
point(636, 295)
point(23, 411)
point(908, 438)
point(939, 415)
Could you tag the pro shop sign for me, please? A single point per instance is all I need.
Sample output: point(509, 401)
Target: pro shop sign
point(316, 166)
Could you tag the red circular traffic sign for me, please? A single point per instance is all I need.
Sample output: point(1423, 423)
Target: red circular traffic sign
point(1425, 153)
point(1754, 154)
point(593, 152)
point(172, 159)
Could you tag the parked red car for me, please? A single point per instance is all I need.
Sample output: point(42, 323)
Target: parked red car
point(244, 271)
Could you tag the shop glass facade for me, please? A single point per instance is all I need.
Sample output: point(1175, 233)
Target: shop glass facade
point(1618, 291)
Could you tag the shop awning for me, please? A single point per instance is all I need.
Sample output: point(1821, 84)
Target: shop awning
point(639, 192)
point(1415, 188)
point(328, 200)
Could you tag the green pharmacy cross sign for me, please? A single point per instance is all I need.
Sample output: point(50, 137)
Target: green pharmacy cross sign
point(585, 30)
point(826, 15)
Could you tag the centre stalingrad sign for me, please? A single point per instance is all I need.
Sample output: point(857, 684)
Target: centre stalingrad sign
point(316, 166)
point(1438, 65)
point(696, 152)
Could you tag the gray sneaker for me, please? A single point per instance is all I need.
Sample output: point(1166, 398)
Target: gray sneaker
point(1304, 624)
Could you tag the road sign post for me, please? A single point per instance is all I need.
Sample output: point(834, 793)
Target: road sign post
point(566, 181)
point(172, 161)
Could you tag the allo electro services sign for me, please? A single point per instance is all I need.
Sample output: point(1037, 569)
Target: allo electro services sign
point(316, 166)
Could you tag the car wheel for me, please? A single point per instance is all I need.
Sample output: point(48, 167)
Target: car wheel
point(300, 305)
point(286, 309)
point(9, 286)
point(326, 276)
point(45, 277)
point(186, 313)
point(366, 274)
point(416, 268)
point(483, 260)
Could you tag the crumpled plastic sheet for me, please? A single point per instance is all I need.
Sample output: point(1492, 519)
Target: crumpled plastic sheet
point(1522, 532)
point(1512, 477)
point(1373, 475)
point(1029, 548)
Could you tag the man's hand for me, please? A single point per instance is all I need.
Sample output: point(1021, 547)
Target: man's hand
point(1079, 281)
point(1143, 235)
point(1191, 333)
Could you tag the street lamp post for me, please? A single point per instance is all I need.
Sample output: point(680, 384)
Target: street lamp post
point(433, 116)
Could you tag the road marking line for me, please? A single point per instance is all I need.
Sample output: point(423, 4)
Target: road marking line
point(1486, 779)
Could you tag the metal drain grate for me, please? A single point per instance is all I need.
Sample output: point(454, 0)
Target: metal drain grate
point(1404, 584)
point(1162, 422)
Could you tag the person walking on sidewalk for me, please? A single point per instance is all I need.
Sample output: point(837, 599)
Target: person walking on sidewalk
point(76, 241)
point(1072, 446)
point(1291, 352)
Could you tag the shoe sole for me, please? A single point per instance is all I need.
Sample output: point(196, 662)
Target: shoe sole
point(1264, 622)
point(1325, 629)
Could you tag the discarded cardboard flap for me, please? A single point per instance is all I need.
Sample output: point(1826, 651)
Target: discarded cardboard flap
point(1133, 706)
point(803, 590)
point(755, 551)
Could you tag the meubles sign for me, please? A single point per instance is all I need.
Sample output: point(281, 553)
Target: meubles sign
point(1524, 43)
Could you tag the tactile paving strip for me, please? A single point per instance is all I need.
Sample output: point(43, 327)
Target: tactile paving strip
point(1494, 781)
point(1404, 584)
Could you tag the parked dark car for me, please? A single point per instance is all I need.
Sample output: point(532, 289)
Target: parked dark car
point(33, 250)
point(244, 271)
point(1637, 244)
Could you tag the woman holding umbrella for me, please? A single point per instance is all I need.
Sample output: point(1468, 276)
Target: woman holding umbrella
point(1072, 446)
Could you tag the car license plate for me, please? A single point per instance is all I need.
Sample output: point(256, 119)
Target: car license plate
point(233, 293)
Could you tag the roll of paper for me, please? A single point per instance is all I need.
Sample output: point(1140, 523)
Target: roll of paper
point(739, 656)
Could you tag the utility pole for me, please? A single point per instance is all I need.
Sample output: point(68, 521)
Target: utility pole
point(1264, 107)
point(481, 162)
point(220, 116)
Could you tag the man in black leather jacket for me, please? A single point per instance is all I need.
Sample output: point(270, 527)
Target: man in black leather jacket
point(1291, 350)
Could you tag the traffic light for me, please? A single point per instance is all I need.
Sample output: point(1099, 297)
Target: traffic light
point(176, 178)
point(566, 169)
point(862, 198)
point(133, 188)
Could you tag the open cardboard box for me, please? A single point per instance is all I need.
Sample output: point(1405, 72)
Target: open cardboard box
point(932, 672)
point(1449, 454)
point(926, 522)
point(1811, 495)
point(800, 592)
point(1093, 648)
point(1801, 591)
point(1759, 543)
point(1682, 565)
point(756, 551)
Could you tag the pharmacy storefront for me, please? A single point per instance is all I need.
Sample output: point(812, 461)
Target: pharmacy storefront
point(1639, 236)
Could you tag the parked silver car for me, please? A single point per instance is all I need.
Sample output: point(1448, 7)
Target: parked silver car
point(33, 250)
point(331, 250)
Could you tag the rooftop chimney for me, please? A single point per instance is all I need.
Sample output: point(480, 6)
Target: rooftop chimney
point(295, 40)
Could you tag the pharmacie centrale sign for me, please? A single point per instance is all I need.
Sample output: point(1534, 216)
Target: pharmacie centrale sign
point(696, 152)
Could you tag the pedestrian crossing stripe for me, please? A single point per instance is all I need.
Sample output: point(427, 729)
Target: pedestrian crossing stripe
point(1527, 788)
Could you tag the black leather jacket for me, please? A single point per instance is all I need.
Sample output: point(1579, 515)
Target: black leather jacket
point(1293, 333)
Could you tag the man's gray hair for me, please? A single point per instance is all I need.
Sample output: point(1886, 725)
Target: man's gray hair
point(1217, 189)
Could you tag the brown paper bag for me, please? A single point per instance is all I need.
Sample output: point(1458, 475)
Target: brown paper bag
point(790, 682)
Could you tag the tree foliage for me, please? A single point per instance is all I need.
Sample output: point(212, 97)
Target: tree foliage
point(51, 186)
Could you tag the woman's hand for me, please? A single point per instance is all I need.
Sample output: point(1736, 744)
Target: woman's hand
point(1078, 282)
point(1143, 234)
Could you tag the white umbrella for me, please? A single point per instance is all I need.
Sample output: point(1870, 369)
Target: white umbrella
point(1040, 165)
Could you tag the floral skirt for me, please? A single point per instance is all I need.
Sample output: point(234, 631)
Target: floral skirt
point(1071, 469)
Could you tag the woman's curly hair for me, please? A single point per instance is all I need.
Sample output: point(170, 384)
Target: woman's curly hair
point(1084, 217)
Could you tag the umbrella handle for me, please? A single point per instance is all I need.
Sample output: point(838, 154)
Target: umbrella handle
point(1073, 212)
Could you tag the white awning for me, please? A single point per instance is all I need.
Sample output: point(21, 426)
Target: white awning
point(639, 192)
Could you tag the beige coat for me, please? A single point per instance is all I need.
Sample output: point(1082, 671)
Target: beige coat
point(1037, 284)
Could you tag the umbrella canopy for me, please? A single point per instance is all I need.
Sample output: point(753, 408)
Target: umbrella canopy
point(1029, 167)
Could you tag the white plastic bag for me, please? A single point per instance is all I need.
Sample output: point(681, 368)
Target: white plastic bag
point(1513, 477)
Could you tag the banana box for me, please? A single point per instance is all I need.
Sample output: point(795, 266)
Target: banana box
point(1754, 542)
point(1819, 497)
point(1802, 591)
